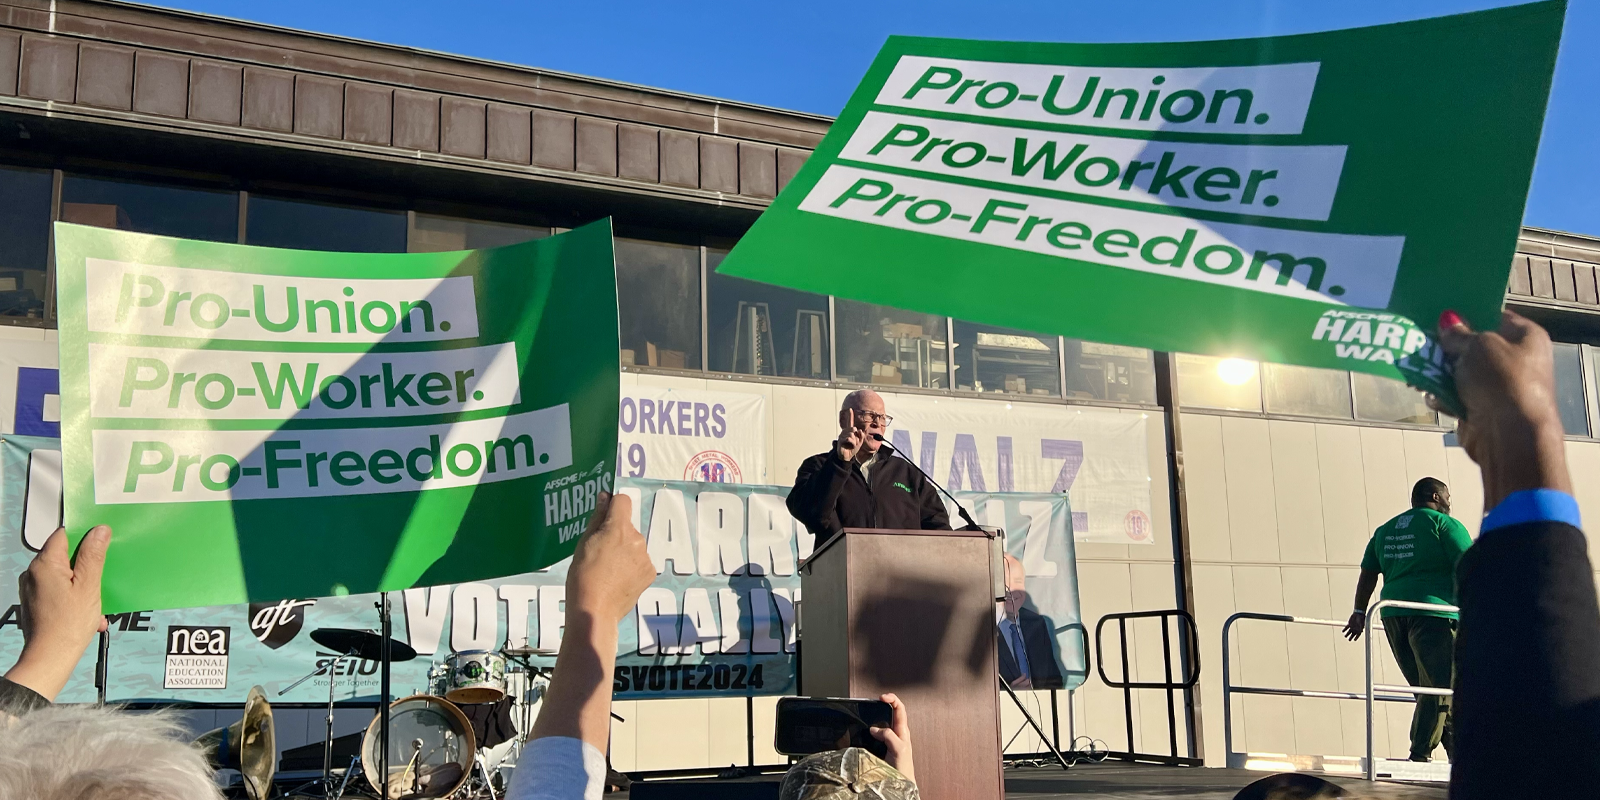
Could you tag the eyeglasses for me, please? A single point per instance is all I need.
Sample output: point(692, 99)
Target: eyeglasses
point(871, 417)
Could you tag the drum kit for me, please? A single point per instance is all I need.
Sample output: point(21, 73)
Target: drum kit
point(421, 746)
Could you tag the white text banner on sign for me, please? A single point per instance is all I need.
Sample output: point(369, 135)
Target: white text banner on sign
point(1326, 267)
point(1292, 182)
point(1269, 99)
point(173, 465)
point(150, 300)
point(162, 383)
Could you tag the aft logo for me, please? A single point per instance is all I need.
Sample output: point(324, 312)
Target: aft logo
point(197, 657)
point(276, 624)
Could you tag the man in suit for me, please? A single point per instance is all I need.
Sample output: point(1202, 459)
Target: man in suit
point(1027, 644)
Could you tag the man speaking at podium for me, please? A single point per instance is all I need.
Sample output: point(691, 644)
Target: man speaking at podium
point(860, 482)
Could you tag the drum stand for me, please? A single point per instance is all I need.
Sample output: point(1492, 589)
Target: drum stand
point(327, 748)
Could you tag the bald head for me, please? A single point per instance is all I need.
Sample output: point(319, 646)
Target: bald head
point(863, 410)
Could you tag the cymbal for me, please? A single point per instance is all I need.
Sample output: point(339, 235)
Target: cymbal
point(362, 644)
point(525, 652)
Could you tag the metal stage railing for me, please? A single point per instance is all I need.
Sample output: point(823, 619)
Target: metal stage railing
point(1388, 693)
point(1189, 642)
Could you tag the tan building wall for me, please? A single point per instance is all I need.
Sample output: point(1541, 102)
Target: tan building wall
point(1280, 512)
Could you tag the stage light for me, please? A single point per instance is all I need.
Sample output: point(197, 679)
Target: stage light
point(1235, 371)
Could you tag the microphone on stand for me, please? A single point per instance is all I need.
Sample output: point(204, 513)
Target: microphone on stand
point(971, 524)
point(997, 542)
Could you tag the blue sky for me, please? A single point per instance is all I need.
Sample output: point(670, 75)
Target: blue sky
point(809, 56)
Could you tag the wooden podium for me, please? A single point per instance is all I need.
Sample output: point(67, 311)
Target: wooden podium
point(912, 612)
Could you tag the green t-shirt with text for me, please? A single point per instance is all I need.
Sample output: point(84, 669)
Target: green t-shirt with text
point(1417, 554)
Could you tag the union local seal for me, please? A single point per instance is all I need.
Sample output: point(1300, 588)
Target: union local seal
point(713, 466)
point(1136, 525)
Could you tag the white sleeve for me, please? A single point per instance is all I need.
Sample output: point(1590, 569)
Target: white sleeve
point(558, 768)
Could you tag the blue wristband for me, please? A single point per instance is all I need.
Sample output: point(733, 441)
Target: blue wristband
point(1533, 505)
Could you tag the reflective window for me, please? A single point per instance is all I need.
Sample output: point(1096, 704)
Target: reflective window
point(1569, 389)
point(1387, 400)
point(1306, 391)
point(658, 298)
point(991, 359)
point(889, 346)
point(432, 234)
point(1210, 382)
point(760, 329)
point(1112, 372)
point(304, 225)
point(24, 240)
point(207, 214)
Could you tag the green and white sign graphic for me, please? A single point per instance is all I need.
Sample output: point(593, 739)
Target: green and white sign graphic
point(258, 424)
point(1295, 199)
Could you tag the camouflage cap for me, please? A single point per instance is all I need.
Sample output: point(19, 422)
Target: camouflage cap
point(845, 775)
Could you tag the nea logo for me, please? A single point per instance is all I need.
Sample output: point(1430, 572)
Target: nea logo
point(197, 657)
point(196, 640)
point(276, 624)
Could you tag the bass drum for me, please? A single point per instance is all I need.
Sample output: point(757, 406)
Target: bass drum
point(431, 749)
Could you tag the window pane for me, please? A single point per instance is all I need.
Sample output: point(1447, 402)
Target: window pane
point(1387, 400)
point(24, 240)
point(883, 345)
point(275, 222)
point(1307, 391)
point(1112, 372)
point(433, 234)
point(1210, 382)
point(206, 214)
point(991, 359)
point(759, 329)
point(1569, 389)
point(658, 296)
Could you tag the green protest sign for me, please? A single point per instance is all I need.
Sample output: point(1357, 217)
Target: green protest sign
point(1297, 199)
point(258, 424)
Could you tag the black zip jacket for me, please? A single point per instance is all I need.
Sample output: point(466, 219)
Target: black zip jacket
point(830, 495)
point(1527, 702)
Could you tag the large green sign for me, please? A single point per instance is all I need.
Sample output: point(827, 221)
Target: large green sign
point(1294, 199)
point(258, 424)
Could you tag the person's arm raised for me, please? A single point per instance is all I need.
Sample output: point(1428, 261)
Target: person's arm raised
point(609, 571)
point(60, 610)
point(1512, 429)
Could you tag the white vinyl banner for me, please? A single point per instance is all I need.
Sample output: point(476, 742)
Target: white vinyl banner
point(1098, 456)
point(692, 435)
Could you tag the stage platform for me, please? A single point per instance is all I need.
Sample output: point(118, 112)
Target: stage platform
point(1116, 780)
point(1111, 780)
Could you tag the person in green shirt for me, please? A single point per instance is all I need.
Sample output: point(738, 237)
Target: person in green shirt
point(1416, 553)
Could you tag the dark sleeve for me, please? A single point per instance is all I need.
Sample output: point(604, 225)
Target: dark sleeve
point(934, 515)
point(814, 500)
point(16, 699)
point(1525, 666)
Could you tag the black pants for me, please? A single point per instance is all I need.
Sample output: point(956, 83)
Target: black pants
point(1425, 649)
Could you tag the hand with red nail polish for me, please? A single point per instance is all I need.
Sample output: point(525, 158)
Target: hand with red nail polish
point(1506, 382)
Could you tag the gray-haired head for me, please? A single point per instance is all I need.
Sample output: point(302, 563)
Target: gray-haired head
point(863, 410)
point(849, 774)
point(89, 753)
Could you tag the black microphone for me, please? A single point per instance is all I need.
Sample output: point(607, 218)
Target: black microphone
point(971, 525)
